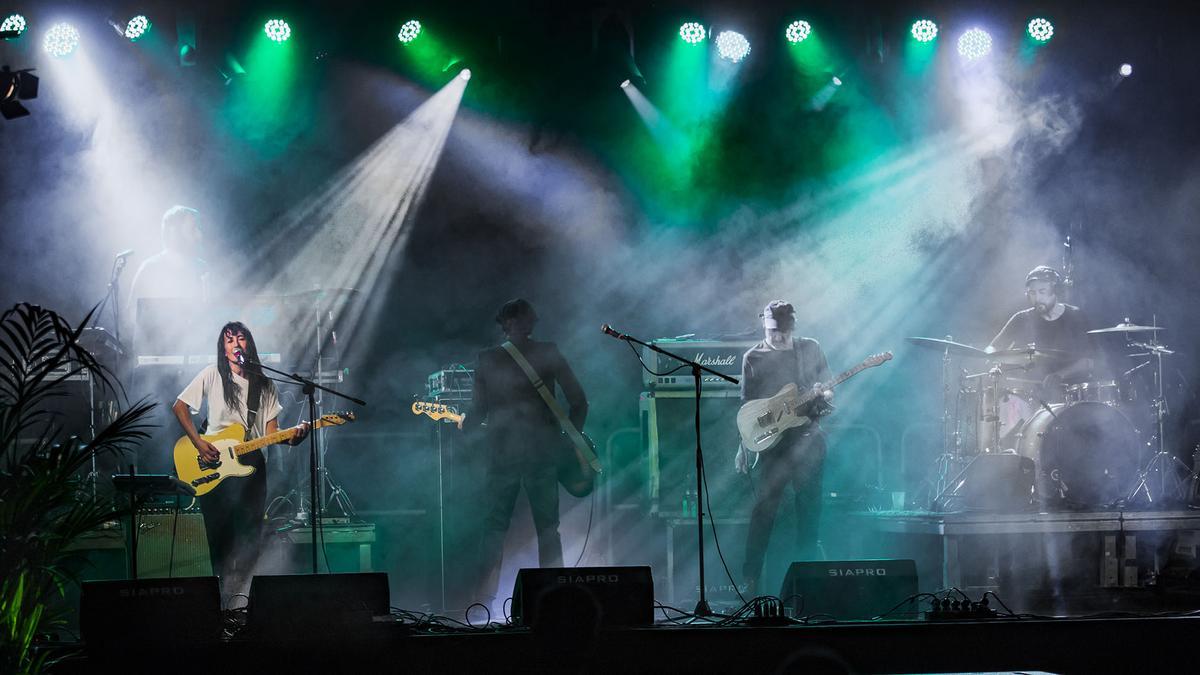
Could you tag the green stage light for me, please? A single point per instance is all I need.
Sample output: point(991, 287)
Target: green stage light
point(409, 31)
point(137, 27)
point(13, 23)
point(278, 30)
point(732, 46)
point(797, 31)
point(924, 30)
point(61, 40)
point(974, 44)
point(692, 33)
point(1041, 29)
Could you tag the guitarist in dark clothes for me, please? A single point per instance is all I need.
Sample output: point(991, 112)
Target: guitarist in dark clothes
point(524, 439)
point(799, 455)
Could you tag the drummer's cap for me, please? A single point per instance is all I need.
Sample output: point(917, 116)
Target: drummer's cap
point(779, 315)
point(1043, 273)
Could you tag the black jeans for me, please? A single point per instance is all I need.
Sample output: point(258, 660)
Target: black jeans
point(797, 460)
point(233, 518)
point(518, 459)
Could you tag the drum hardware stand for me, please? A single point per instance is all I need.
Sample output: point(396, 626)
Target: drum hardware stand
point(329, 492)
point(951, 457)
point(1166, 465)
point(949, 489)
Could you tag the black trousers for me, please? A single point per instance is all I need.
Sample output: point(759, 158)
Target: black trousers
point(518, 460)
point(797, 460)
point(233, 520)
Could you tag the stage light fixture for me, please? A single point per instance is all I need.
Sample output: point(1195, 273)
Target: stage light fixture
point(924, 30)
point(974, 44)
point(692, 33)
point(14, 25)
point(625, 84)
point(465, 74)
point(797, 31)
point(1125, 70)
point(61, 40)
point(137, 27)
point(732, 46)
point(409, 31)
point(14, 88)
point(278, 30)
point(837, 81)
point(1041, 29)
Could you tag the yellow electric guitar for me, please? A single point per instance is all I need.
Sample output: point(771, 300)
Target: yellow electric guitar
point(206, 476)
point(761, 422)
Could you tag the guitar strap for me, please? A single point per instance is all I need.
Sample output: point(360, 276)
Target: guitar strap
point(577, 438)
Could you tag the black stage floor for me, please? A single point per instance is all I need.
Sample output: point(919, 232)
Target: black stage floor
point(1147, 645)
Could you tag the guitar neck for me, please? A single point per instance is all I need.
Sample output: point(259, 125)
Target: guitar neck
point(271, 439)
point(841, 377)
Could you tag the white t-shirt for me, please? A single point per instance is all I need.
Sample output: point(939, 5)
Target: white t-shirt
point(206, 388)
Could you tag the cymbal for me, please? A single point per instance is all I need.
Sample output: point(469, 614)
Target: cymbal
point(1025, 355)
point(1126, 327)
point(955, 348)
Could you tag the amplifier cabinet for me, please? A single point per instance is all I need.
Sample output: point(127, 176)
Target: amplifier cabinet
point(158, 531)
point(669, 440)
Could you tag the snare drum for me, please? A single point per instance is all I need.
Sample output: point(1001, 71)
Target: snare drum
point(1104, 391)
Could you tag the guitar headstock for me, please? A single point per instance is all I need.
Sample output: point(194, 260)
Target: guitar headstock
point(337, 418)
point(877, 360)
point(436, 411)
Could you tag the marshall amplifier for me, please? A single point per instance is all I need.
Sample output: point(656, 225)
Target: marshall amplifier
point(131, 614)
point(623, 596)
point(723, 356)
point(849, 589)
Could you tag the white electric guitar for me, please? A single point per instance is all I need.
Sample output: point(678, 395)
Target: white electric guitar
point(761, 422)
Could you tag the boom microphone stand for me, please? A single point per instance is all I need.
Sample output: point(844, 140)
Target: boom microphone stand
point(310, 389)
point(702, 608)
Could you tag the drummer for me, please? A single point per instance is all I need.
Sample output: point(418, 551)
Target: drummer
point(1052, 325)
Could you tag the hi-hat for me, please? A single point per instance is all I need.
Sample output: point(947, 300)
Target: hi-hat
point(955, 348)
point(1126, 327)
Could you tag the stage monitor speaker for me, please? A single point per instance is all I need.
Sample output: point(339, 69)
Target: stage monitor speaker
point(129, 614)
point(622, 596)
point(995, 482)
point(306, 606)
point(848, 589)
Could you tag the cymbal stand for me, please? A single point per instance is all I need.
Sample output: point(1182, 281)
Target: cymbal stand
point(330, 491)
point(951, 460)
point(1164, 470)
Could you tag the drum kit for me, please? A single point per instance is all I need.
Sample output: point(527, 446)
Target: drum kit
point(1082, 438)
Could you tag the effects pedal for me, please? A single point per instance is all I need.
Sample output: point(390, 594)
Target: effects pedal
point(960, 610)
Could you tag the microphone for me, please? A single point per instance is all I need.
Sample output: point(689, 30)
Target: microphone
point(125, 254)
point(608, 330)
point(239, 356)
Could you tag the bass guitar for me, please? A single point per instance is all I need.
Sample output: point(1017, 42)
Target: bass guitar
point(761, 422)
point(575, 473)
point(205, 476)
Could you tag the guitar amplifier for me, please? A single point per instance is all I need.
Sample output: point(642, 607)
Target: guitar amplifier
point(453, 384)
point(723, 356)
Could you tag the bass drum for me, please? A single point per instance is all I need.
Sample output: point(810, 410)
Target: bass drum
point(1086, 454)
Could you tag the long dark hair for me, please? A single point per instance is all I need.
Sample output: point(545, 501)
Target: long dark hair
point(259, 385)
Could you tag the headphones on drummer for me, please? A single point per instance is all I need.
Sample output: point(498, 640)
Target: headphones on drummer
point(1044, 273)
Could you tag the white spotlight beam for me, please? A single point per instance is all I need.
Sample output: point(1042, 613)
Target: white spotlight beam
point(342, 236)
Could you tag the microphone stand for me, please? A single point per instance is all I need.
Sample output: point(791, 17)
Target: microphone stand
point(310, 389)
point(702, 607)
